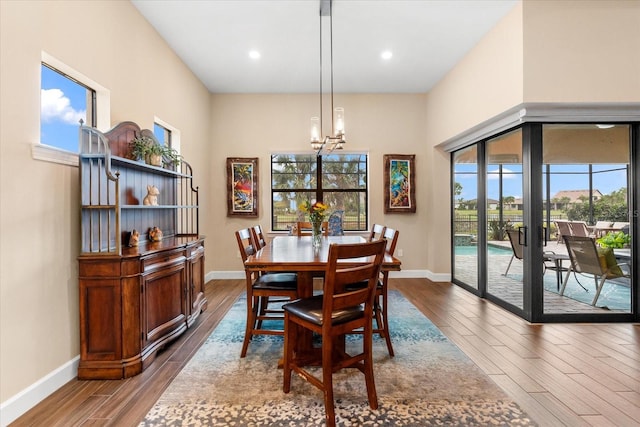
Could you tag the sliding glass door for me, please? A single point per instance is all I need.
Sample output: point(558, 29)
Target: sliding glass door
point(516, 199)
point(504, 213)
point(586, 169)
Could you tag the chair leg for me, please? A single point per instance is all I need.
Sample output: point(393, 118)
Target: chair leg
point(327, 381)
point(385, 320)
point(289, 340)
point(566, 279)
point(368, 369)
point(252, 308)
point(598, 289)
point(509, 266)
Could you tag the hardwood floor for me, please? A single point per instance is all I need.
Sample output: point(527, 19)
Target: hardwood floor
point(560, 374)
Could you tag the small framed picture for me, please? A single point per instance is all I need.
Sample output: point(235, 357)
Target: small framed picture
point(242, 186)
point(399, 183)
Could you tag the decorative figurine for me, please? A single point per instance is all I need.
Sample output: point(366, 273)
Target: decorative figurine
point(134, 238)
point(151, 199)
point(155, 234)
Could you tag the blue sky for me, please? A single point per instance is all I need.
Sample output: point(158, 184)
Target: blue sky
point(63, 104)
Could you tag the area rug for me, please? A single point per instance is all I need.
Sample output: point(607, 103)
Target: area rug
point(429, 382)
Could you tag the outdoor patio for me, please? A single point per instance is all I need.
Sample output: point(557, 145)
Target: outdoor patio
point(615, 296)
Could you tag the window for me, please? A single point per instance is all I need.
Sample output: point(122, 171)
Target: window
point(64, 101)
point(67, 96)
point(339, 180)
point(162, 134)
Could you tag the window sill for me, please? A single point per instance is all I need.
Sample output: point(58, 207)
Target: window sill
point(54, 155)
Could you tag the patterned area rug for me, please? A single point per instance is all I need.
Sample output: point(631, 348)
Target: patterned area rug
point(429, 382)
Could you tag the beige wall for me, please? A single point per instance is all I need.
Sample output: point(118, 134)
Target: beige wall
point(582, 51)
point(259, 125)
point(39, 224)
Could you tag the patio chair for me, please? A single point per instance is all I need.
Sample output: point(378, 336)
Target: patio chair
point(516, 238)
point(586, 259)
point(562, 229)
point(579, 228)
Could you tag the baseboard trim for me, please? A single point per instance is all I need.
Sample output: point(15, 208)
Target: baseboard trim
point(18, 405)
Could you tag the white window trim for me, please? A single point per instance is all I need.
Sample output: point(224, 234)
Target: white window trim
point(48, 153)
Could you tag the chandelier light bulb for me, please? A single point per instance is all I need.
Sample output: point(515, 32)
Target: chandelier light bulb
point(315, 129)
point(338, 120)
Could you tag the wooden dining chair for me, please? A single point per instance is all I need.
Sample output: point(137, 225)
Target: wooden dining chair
point(304, 228)
point(381, 302)
point(377, 232)
point(258, 237)
point(259, 288)
point(332, 315)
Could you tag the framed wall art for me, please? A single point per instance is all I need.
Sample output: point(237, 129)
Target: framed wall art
point(242, 186)
point(399, 183)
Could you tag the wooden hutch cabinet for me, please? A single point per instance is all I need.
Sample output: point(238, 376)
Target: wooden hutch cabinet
point(134, 300)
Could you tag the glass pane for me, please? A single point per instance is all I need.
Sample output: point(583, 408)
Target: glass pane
point(354, 205)
point(285, 208)
point(585, 176)
point(63, 103)
point(504, 212)
point(344, 171)
point(293, 172)
point(465, 223)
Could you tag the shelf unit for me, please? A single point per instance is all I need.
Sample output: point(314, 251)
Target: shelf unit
point(134, 300)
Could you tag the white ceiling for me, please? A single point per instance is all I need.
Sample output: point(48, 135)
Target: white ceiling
point(427, 38)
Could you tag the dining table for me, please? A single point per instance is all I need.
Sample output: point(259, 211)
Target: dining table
point(293, 253)
point(297, 254)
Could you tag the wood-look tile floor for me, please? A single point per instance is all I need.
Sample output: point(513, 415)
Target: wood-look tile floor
point(561, 374)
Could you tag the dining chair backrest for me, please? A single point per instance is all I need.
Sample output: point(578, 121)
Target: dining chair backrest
point(391, 235)
point(246, 245)
point(377, 232)
point(338, 276)
point(258, 237)
point(304, 228)
point(336, 223)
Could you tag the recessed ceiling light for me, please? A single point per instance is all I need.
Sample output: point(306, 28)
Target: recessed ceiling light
point(254, 54)
point(387, 54)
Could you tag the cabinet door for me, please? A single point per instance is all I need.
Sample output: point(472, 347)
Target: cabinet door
point(164, 305)
point(197, 301)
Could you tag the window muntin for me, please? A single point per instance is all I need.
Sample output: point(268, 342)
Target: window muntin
point(339, 180)
point(64, 102)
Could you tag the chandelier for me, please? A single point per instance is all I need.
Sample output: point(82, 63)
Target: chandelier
point(326, 144)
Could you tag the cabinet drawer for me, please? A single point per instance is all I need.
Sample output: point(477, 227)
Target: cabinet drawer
point(163, 260)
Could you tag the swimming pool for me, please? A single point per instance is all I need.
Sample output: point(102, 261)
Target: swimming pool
point(473, 250)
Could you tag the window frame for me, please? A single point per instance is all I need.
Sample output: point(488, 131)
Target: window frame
point(318, 190)
point(102, 112)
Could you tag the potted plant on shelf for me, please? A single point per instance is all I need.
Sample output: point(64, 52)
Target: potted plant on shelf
point(139, 146)
point(154, 154)
point(171, 158)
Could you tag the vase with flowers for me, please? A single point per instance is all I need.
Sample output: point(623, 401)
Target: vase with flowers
point(316, 213)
